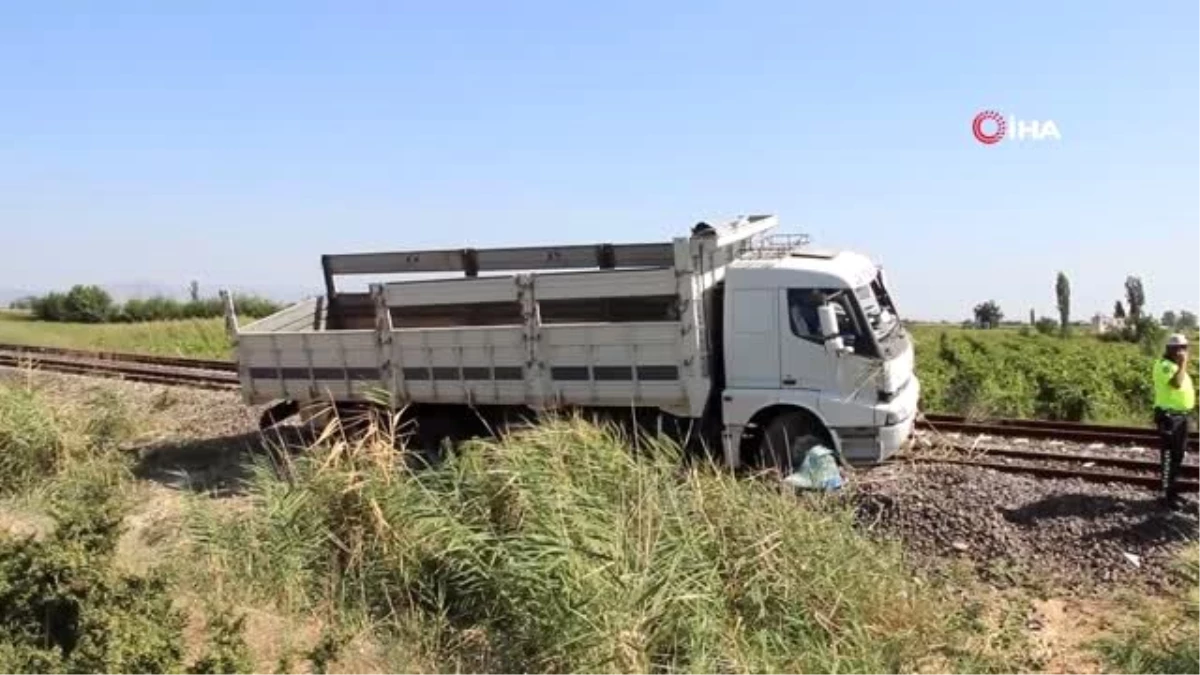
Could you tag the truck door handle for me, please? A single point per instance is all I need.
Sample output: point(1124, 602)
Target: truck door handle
point(789, 381)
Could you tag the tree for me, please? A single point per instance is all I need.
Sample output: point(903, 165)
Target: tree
point(988, 314)
point(1148, 334)
point(1047, 326)
point(1118, 310)
point(1169, 319)
point(194, 291)
point(1135, 298)
point(50, 307)
point(1186, 321)
point(88, 304)
point(1032, 320)
point(1062, 288)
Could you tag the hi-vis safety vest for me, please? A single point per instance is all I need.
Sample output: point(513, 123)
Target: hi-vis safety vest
point(1167, 397)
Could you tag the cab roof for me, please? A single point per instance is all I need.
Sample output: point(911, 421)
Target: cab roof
point(817, 268)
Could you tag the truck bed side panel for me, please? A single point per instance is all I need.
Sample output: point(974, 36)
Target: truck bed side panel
point(616, 364)
point(481, 365)
point(308, 364)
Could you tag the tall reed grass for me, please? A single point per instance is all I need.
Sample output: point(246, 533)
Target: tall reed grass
point(559, 549)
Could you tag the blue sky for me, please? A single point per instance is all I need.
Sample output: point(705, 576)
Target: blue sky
point(235, 142)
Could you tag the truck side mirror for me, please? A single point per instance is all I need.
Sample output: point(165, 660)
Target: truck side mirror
point(827, 316)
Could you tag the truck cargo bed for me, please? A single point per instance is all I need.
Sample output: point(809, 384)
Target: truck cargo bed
point(479, 341)
point(629, 332)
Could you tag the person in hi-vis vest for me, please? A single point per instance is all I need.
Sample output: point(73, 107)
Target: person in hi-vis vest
point(1174, 399)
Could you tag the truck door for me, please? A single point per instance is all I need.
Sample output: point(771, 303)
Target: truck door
point(752, 340)
point(847, 379)
point(804, 363)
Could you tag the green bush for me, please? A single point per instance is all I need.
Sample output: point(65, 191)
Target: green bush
point(91, 304)
point(63, 605)
point(88, 304)
point(82, 304)
point(1046, 326)
point(50, 307)
point(1001, 373)
point(68, 606)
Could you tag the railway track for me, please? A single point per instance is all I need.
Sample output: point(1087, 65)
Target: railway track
point(219, 365)
point(1092, 467)
point(166, 370)
point(1045, 429)
point(219, 374)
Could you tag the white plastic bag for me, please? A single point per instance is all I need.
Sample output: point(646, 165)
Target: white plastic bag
point(818, 471)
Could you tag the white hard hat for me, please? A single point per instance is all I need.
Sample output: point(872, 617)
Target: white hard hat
point(1177, 340)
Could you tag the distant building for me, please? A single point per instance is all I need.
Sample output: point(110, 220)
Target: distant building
point(1102, 324)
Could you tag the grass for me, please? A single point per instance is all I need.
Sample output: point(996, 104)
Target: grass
point(201, 338)
point(1161, 639)
point(560, 548)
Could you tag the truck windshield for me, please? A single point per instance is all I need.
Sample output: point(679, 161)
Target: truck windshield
point(878, 310)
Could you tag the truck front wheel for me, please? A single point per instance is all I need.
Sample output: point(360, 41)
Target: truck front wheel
point(787, 440)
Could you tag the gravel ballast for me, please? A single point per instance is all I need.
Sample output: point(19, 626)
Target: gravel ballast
point(1070, 531)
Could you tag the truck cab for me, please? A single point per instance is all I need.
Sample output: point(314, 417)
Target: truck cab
point(813, 336)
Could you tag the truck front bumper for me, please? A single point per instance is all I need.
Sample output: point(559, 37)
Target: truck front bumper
point(869, 445)
point(892, 437)
point(904, 411)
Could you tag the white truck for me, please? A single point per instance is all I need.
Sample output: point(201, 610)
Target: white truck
point(766, 345)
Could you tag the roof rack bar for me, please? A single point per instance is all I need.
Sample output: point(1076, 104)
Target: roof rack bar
point(501, 259)
point(728, 238)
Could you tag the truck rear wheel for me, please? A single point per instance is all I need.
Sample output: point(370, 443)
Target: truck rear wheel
point(787, 440)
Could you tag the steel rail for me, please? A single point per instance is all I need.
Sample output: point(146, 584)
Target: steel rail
point(1142, 480)
point(125, 357)
point(1150, 466)
point(1043, 429)
point(129, 372)
point(937, 418)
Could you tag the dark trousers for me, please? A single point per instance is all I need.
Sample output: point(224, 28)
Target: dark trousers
point(1173, 428)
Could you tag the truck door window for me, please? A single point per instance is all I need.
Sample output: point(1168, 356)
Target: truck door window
point(802, 314)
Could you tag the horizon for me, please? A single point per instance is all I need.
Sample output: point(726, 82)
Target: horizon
point(156, 145)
